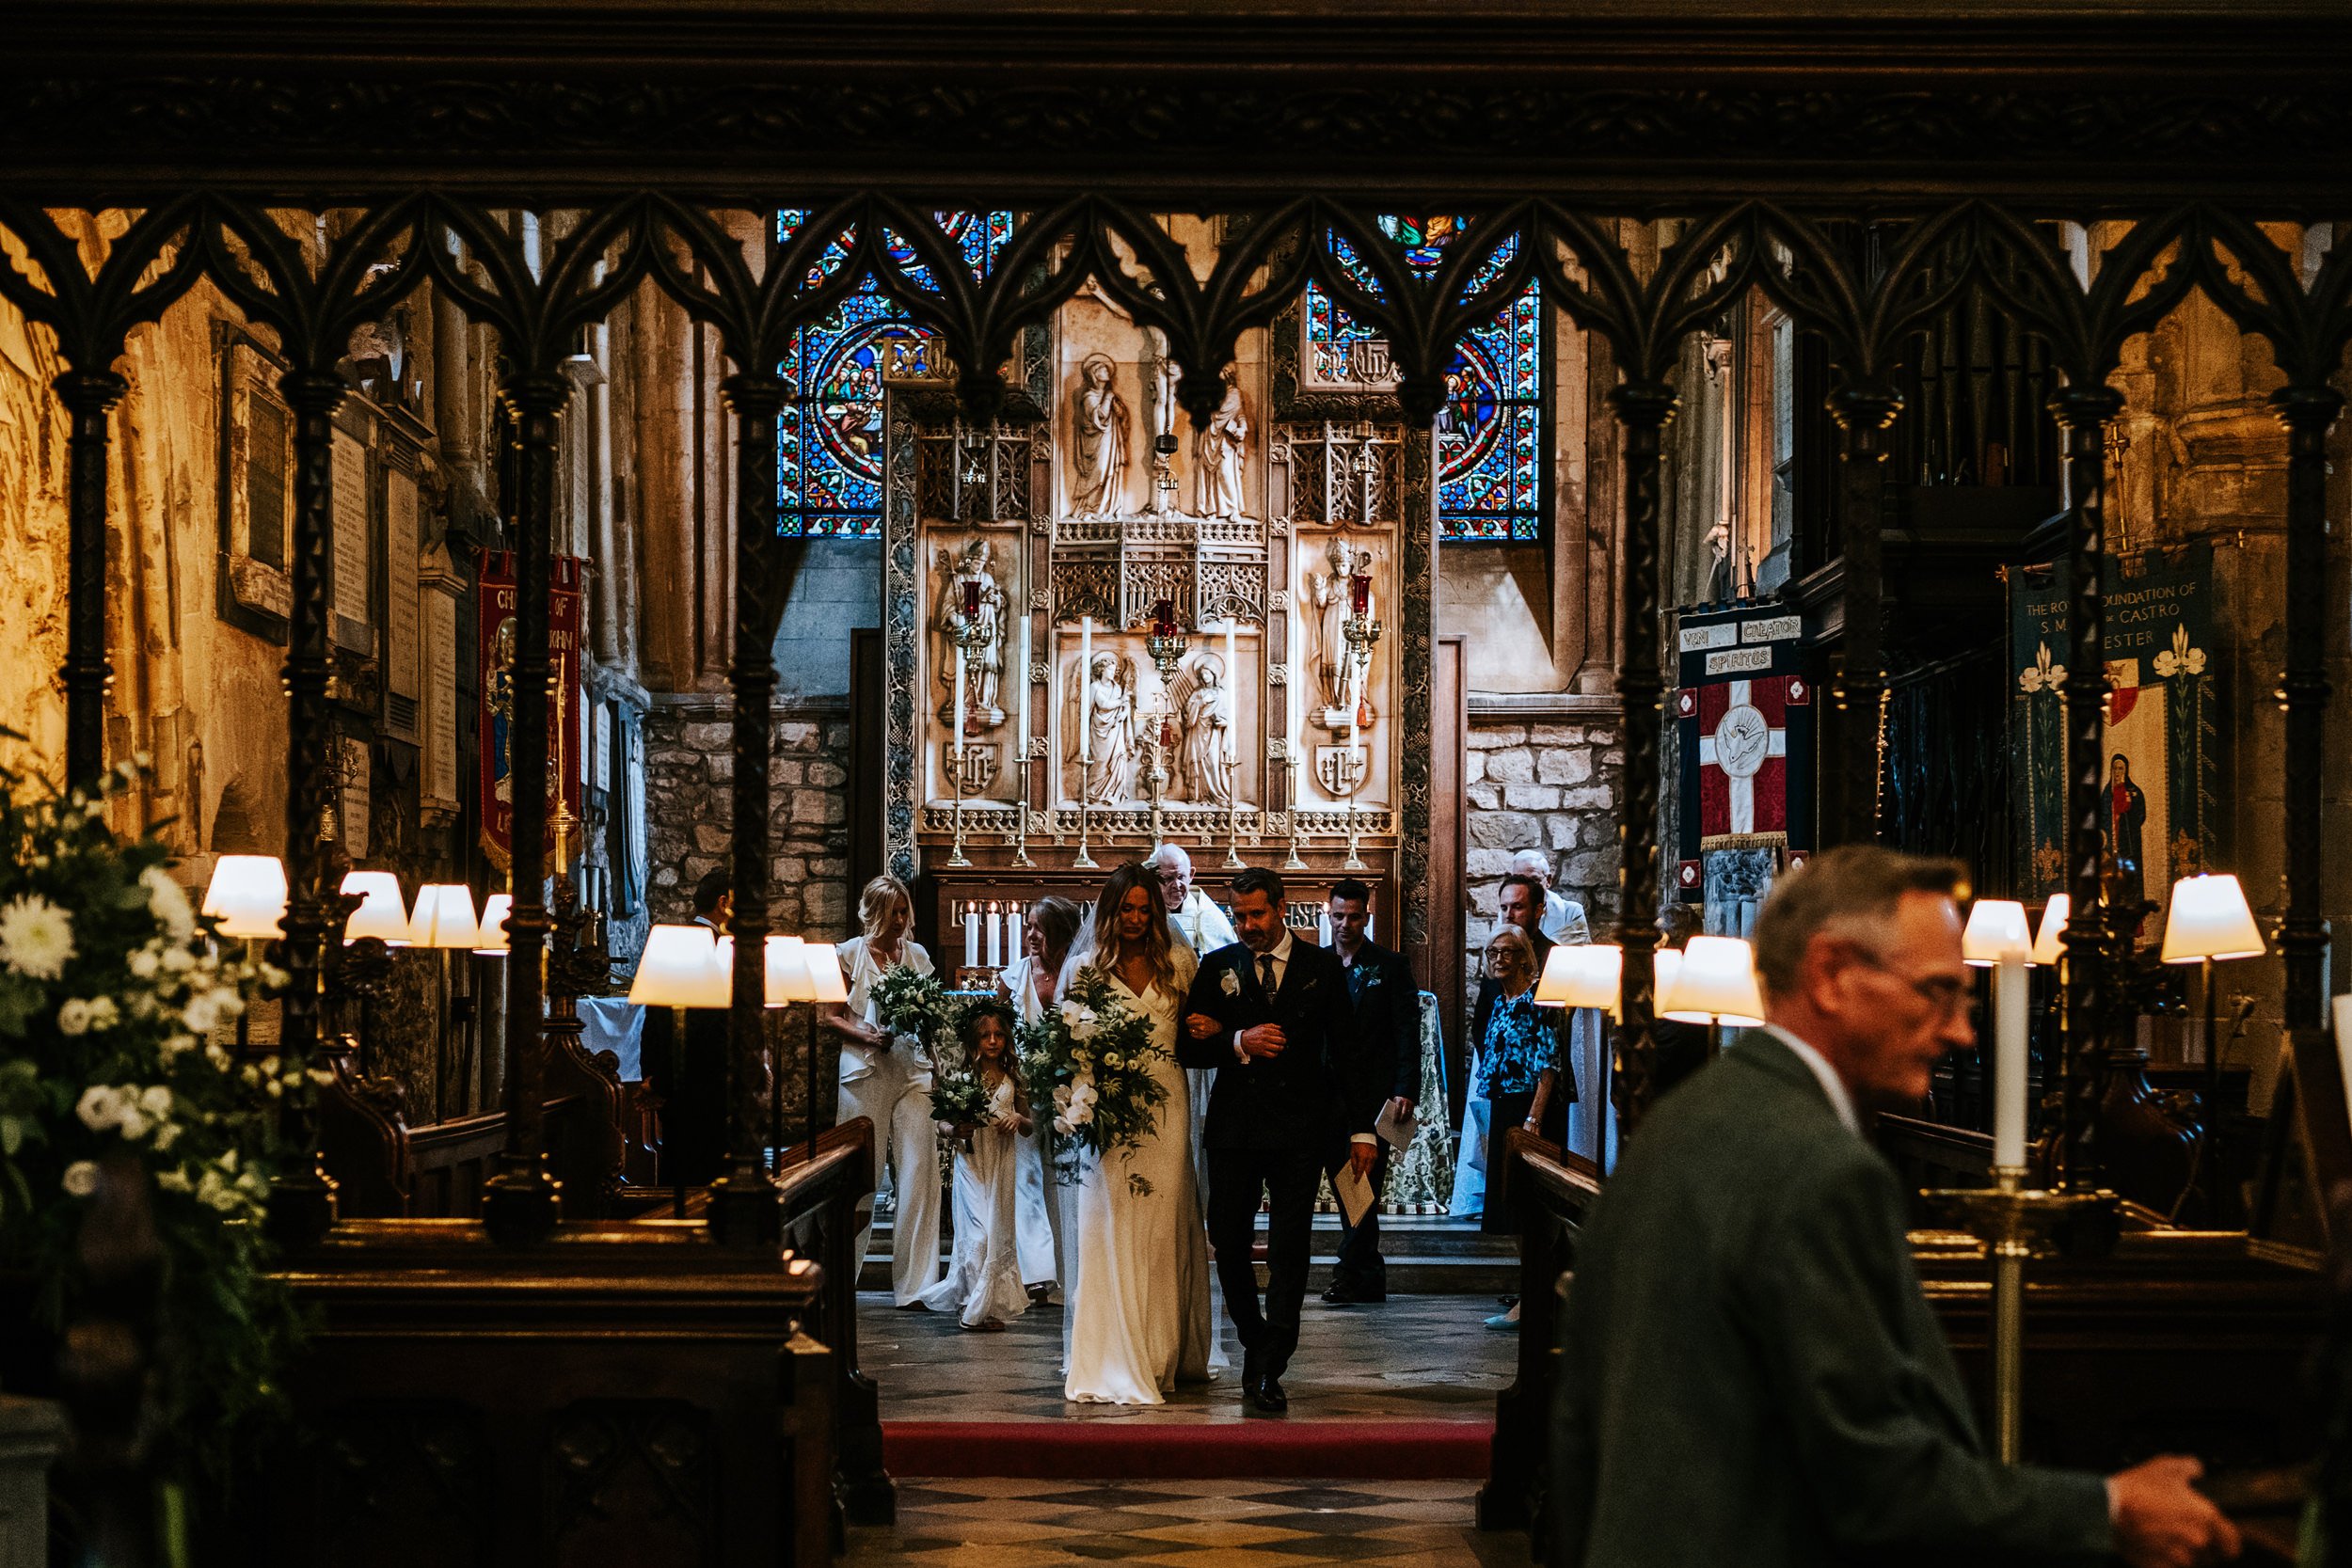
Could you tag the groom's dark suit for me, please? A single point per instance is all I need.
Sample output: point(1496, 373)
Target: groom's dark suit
point(1270, 1121)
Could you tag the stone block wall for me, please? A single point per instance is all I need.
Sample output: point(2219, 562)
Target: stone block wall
point(1538, 784)
point(690, 784)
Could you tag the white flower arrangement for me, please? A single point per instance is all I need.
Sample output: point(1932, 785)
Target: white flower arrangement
point(108, 983)
point(1090, 1058)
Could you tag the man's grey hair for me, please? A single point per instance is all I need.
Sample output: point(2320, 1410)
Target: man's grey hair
point(1533, 862)
point(1169, 854)
point(1850, 891)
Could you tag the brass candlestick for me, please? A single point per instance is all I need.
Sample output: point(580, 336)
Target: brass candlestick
point(1167, 647)
point(2016, 1225)
point(1021, 818)
point(956, 765)
point(1292, 859)
point(1361, 632)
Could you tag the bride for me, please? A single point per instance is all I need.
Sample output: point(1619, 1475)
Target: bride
point(1131, 1337)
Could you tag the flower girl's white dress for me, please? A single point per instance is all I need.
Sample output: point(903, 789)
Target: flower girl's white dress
point(1138, 1264)
point(983, 1279)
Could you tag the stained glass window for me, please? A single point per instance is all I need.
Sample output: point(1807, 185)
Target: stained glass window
point(1491, 437)
point(830, 476)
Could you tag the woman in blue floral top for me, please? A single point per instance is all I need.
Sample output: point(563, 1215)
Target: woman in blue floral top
point(1518, 1061)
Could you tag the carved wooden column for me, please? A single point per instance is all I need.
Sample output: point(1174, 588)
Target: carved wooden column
point(2083, 411)
point(1864, 413)
point(1643, 408)
point(2307, 410)
point(300, 1201)
point(90, 398)
point(520, 1199)
point(744, 1210)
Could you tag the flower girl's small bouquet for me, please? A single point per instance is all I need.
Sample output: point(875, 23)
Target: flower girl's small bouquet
point(957, 1098)
point(1090, 1058)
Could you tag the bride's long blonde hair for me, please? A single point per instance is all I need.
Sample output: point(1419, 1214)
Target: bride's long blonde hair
point(1155, 944)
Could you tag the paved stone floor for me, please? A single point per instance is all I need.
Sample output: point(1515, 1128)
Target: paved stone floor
point(1198, 1524)
point(1412, 1357)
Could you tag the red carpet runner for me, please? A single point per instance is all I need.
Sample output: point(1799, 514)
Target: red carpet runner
point(1109, 1451)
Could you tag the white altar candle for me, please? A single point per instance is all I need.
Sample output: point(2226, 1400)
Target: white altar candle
point(2008, 1062)
point(995, 939)
point(1232, 696)
point(1012, 930)
point(1021, 685)
point(1086, 695)
point(959, 707)
point(971, 936)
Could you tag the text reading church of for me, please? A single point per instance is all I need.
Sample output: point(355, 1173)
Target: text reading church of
point(1004, 781)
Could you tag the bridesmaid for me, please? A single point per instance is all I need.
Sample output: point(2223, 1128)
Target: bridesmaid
point(888, 1080)
point(1030, 984)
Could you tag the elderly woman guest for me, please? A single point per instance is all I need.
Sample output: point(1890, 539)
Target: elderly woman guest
point(1518, 1061)
point(887, 1079)
point(1030, 984)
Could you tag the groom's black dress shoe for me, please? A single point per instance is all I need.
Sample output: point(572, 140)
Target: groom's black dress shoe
point(1270, 1395)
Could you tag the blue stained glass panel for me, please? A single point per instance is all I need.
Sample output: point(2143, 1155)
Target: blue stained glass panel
point(830, 470)
point(1491, 437)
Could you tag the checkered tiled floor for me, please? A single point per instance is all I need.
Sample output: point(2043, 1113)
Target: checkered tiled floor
point(1412, 1357)
point(1198, 1524)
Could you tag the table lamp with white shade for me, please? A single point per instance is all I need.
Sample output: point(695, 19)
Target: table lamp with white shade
point(2209, 923)
point(383, 912)
point(443, 921)
point(2049, 943)
point(246, 897)
point(1583, 975)
point(1998, 937)
point(495, 908)
point(1715, 984)
point(679, 969)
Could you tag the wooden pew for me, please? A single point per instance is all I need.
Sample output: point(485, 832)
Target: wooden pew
point(821, 1198)
point(1547, 1192)
point(622, 1394)
point(386, 1169)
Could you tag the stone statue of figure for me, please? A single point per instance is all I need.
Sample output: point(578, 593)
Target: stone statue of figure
point(1166, 374)
point(1204, 705)
point(984, 658)
point(1098, 442)
point(1218, 449)
point(1107, 774)
point(1327, 595)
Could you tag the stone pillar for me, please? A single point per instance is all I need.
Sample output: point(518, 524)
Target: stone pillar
point(32, 1435)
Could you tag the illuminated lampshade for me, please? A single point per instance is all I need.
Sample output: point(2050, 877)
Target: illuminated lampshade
point(1583, 975)
point(680, 969)
point(2050, 940)
point(384, 914)
point(1996, 931)
point(1716, 984)
point(444, 917)
point(248, 896)
point(492, 939)
point(1665, 965)
point(789, 979)
point(2210, 920)
point(824, 971)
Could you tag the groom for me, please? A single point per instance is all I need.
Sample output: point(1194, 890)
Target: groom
point(1270, 1013)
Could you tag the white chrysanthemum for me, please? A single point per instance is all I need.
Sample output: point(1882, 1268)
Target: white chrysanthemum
point(73, 1016)
point(99, 1107)
point(81, 1178)
point(169, 903)
point(36, 937)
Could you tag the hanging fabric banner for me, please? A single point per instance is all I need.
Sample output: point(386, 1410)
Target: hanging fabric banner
point(496, 645)
point(1744, 712)
point(2157, 813)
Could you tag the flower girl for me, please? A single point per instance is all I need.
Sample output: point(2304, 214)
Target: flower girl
point(983, 1283)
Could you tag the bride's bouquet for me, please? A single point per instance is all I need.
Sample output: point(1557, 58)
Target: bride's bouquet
point(1090, 1058)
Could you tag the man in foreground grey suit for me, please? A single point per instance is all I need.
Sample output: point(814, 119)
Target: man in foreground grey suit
point(1752, 1373)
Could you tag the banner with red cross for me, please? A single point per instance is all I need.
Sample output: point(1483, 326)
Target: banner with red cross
point(1745, 717)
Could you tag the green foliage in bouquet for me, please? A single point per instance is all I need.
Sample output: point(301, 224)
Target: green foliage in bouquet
point(108, 990)
point(1090, 1058)
point(906, 1002)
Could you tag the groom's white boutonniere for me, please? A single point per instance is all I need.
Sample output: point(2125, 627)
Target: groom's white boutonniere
point(1229, 983)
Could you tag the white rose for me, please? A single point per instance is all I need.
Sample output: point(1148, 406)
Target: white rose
point(74, 1017)
point(99, 1107)
point(132, 1122)
point(81, 1178)
point(1229, 983)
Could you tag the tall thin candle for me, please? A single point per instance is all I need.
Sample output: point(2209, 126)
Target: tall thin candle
point(1086, 693)
point(1021, 685)
point(2008, 1062)
point(995, 938)
point(1232, 696)
point(971, 936)
point(958, 706)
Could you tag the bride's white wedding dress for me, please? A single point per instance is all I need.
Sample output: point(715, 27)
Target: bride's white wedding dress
point(1138, 1265)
